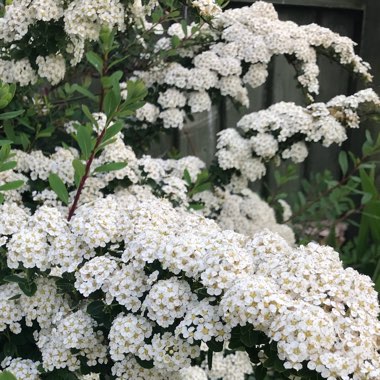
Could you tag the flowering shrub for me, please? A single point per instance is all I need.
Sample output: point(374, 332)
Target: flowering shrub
point(111, 265)
point(282, 131)
point(143, 281)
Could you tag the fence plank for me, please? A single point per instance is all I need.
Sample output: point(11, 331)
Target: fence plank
point(370, 51)
point(345, 4)
point(198, 137)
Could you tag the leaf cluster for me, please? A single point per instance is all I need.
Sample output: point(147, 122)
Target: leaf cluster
point(346, 210)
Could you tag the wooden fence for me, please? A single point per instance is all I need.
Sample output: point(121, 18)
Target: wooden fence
point(357, 19)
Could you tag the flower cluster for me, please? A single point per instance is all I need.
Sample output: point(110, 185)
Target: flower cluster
point(207, 7)
point(230, 367)
point(242, 211)
point(282, 131)
point(83, 21)
point(42, 307)
point(233, 207)
point(243, 44)
point(165, 174)
point(53, 68)
point(21, 368)
point(302, 298)
point(70, 338)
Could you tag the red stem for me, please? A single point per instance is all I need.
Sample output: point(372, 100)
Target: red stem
point(98, 141)
point(86, 174)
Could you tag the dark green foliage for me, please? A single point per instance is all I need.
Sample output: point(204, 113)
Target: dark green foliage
point(324, 203)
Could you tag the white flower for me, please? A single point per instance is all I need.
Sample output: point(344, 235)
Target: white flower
point(168, 300)
point(21, 368)
point(207, 7)
point(85, 18)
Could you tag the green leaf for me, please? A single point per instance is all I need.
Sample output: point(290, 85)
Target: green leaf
point(343, 162)
point(368, 181)
point(96, 309)
point(11, 115)
point(366, 198)
point(5, 375)
point(144, 363)
point(5, 142)
point(107, 38)
point(196, 206)
point(2, 198)
point(235, 342)
point(176, 41)
point(157, 14)
point(260, 372)
point(184, 27)
point(186, 177)
point(116, 77)
point(65, 285)
point(136, 94)
point(16, 297)
point(136, 90)
point(12, 89)
point(95, 61)
point(209, 359)
point(103, 144)
point(79, 170)
point(130, 111)
point(29, 288)
point(377, 284)
point(115, 81)
point(368, 136)
point(100, 312)
point(8, 166)
point(202, 176)
point(24, 139)
point(82, 90)
point(47, 132)
point(110, 167)
point(84, 141)
point(60, 374)
point(369, 227)
point(88, 114)
point(248, 336)
point(202, 187)
point(4, 152)
point(113, 130)
point(59, 188)
point(10, 349)
point(15, 278)
point(106, 82)
point(278, 365)
point(118, 61)
point(111, 103)
point(9, 132)
point(11, 185)
point(215, 346)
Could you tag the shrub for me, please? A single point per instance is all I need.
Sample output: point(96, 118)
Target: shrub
point(111, 265)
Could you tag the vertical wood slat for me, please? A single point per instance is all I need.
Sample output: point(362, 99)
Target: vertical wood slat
point(370, 52)
point(198, 137)
point(336, 4)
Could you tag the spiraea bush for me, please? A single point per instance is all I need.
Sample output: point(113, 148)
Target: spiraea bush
point(117, 265)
